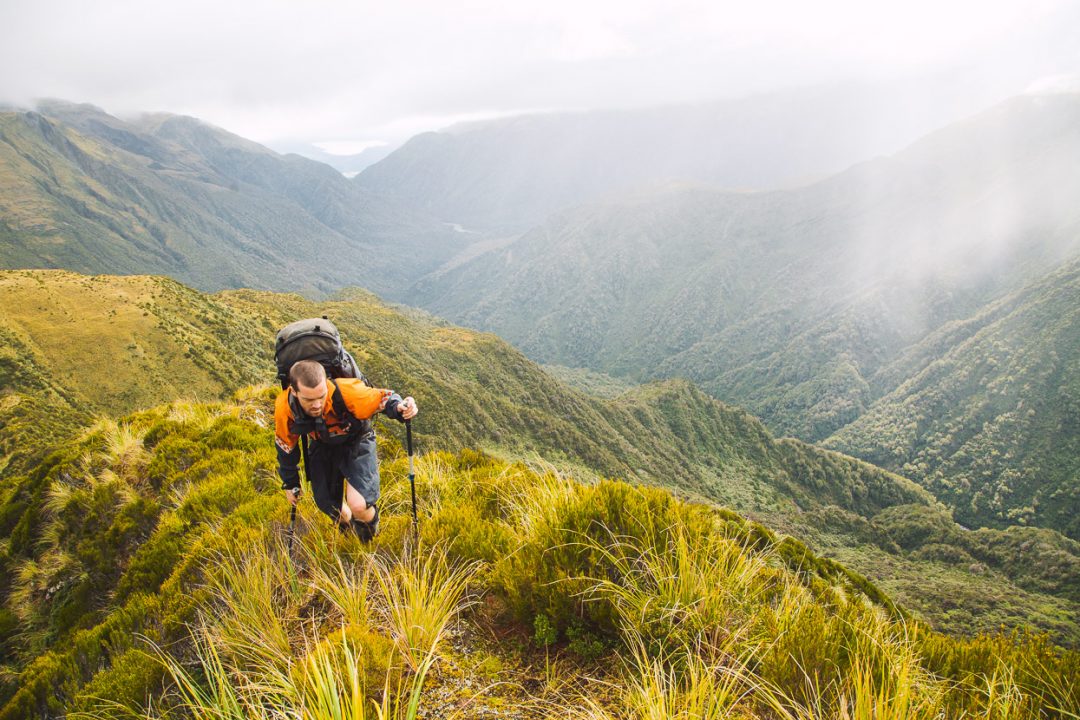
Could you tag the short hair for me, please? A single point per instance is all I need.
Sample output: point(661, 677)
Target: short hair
point(308, 373)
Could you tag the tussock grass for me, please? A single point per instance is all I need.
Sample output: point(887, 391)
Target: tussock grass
point(683, 590)
point(255, 655)
point(345, 585)
point(423, 593)
point(125, 451)
point(250, 592)
point(682, 685)
point(332, 687)
point(653, 608)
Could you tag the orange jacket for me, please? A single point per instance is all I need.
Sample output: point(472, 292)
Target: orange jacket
point(362, 401)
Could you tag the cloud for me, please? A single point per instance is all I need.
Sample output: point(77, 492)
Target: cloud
point(1055, 85)
point(581, 42)
point(364, 71)
point(347, 147)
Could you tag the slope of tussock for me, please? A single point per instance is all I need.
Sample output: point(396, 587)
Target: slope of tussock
point(153, 577)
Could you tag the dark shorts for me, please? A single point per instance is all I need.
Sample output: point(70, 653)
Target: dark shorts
point(331, 465)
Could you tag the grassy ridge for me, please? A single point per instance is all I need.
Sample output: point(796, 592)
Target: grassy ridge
point(582, 600)
point(34, 409)
point(122, 342)
point(476, 391)
point(76, 345)
point(119, 343)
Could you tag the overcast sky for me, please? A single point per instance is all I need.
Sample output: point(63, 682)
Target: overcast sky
point(347, 74)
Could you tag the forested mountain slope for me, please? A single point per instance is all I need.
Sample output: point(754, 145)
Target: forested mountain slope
point(788, 303)
point(987, 411)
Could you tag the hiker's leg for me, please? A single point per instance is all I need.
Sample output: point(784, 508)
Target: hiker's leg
point(325, 481)
point(357, 505)
point(361, 469)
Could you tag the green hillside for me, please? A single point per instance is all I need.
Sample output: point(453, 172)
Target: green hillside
point(75, 345)
point(84, 191)
point(145, 341)
point(989, 417)
point(115, 344)
point(151, 577)
point(788, 303)
point(817, 309)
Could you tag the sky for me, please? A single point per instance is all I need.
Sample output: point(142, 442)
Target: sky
point(344, 76)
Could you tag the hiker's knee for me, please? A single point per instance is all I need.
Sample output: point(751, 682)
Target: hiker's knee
point(355, 501)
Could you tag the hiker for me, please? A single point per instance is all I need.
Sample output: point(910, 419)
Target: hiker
point(336, 415)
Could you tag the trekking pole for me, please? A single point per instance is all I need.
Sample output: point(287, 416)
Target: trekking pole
point(412, 475)
point(292, 527)
point(307, 474)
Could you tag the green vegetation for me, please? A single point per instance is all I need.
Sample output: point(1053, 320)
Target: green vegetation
point(804, 306)
point(476, 391)
point(980, 579)
point(989, 420)
point(154, 582)
point(85, 191)
point(75, 345)
point(589, 381)
point(788, 302)
point(871, 309)
point(142, 559)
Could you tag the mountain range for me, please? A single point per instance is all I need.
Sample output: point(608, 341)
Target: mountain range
point(506, 176)
point(609, 534)
point(86, 191)
point(800, 304)
point(823, 309)
point(93, 346)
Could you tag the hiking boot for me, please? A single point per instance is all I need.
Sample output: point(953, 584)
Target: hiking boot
point(362, 531)
point(374, 524)
point(367, 530)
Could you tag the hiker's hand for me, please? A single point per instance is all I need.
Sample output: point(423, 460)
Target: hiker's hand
point(408, 409)
point(293, 494)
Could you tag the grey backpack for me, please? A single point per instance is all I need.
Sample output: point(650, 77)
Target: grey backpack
point(314, 339)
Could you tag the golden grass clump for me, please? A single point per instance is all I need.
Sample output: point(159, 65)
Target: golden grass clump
point(423, 592)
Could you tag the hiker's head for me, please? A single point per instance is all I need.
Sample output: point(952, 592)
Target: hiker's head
point(308, 381)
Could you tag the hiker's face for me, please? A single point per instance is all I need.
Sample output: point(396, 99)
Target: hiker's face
point(311, 399)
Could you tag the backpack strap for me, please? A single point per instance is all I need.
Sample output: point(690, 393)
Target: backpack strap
point(337, 401)
point(353, 426)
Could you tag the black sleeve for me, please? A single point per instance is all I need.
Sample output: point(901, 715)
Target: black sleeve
point(288, 467)
point(391, 409)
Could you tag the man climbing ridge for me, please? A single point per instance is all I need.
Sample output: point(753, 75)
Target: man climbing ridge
point(335, 415)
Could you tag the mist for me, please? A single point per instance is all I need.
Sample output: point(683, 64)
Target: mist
point(292, 74)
